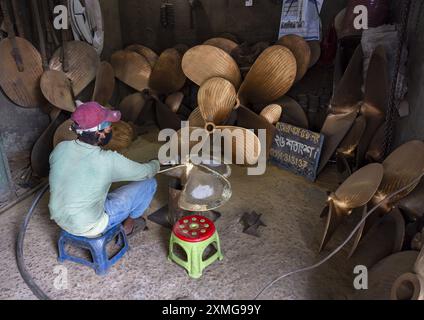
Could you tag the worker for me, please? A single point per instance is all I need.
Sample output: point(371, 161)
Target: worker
point(81, 173)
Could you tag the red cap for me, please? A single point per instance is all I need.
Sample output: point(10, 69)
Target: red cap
point(91, 114)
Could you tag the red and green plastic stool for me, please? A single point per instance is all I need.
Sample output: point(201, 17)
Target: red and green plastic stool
point(194, 234)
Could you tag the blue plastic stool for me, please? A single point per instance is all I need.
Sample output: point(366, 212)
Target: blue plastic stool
point(97, 247)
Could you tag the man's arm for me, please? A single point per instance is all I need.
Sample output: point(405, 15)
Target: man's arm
point(124, 169)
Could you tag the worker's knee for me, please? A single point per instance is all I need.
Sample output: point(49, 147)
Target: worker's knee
point(147, 186)
point(153, 184)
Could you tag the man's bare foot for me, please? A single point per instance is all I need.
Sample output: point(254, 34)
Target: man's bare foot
point(128, 226)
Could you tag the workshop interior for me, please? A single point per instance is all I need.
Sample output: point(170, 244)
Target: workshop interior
point(211, 150)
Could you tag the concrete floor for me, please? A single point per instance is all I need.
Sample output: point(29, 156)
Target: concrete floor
point(290, 206)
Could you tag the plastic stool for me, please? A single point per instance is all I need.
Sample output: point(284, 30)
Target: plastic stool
point(194, 234)
point(97, 247)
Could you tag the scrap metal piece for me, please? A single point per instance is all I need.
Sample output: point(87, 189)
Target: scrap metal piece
point(251, 222)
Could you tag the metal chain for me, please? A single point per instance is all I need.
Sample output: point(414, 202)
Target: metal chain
point(391, 111)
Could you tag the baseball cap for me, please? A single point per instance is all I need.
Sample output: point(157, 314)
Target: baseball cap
point(91, 114)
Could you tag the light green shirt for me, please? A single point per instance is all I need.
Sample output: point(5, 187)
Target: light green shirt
point(80, 178)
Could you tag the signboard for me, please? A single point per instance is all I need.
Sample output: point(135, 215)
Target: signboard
point(301, 17)
point(297, 150)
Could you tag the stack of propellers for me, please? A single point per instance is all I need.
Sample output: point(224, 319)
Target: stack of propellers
point(224, 98)
point(354, 128)
point(222, 92)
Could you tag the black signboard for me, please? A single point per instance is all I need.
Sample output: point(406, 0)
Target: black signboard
point(297, 150)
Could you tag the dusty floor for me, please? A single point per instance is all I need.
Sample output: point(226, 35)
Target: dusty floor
point(290, 206)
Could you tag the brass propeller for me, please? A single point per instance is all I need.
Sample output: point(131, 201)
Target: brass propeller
point(122, 137)
point(132, 69)
point(346, 154)
point(222, 43)
point(174, 101)
point(217, 97)
point(301, 51)
point(82, 62)
point(348, 92)
point(375, 99)
point(131, 107)
point(270, 77)
point(105, 83)
point(335, 128)
point(146, 52)
point(272, 113)
point(293, 113)
point(203, 62)
point(64, 133)
point(167, 75)
point(355, 192)
point(401, 168)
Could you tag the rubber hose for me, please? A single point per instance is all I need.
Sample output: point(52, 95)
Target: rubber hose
point(38, 292)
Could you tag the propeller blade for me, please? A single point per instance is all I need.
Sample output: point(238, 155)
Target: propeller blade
point(167, 75)
point(401, 168)
point(335, 128)
point(301, 51)
point(246, 118)
point(293, 113)
point(271, 76)
point(165, 117)
point(146, 52)
point(217, 97)
point(360, 187)
point(203, 62)
point(222, 43)
point(272, 113)
point(105, 83)
point(131, 107)
point(375, 100)
point(174, 101)
point(335, 217)
point(132, 69)
point(195, 119)
point(348, 92)
point(351, 141)
point(245, 145)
